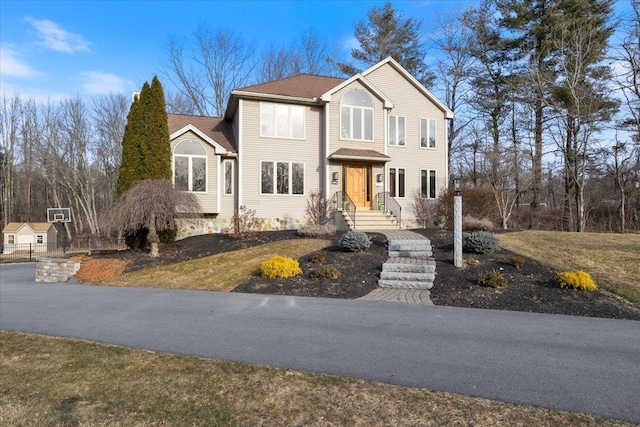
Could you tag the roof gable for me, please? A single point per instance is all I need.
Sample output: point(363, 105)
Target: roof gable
point(366, 83)
point(400, 69)
point(36, 227)
point(216, 131)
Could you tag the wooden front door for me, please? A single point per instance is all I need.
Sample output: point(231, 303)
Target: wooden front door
point(357, 184)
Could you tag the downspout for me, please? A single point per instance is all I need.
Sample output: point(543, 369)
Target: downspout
point(327, 135)
point(239, 162)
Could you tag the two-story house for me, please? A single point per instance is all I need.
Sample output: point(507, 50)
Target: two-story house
point(369, 143)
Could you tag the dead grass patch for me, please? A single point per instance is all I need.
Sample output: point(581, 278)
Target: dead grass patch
point(99, 270)
point(221, 272)
point(612, 259)
point(54, 381)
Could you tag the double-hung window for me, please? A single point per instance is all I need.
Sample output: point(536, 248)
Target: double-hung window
point(281, 178)
point(281, 120)
point(356, 116)
point(427, 133)
point(396, 131)
point(428, 183)
point(396, 182)
point(190, 167)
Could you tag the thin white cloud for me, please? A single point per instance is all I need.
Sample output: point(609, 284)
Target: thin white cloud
point(349, 43)
point(55, 38)
point(96, 82)
point(14, 66)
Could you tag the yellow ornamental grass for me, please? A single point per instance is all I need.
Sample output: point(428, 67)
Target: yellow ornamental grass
point(280, 267)
point(578, 280)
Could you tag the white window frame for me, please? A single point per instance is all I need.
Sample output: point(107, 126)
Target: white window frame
point(264, 106)
point(11, 239)
point(396, 184)
point(429, 122)
point(190, 158)
point(274, 184)
point(224, 177)
point(39, 238)
point(428, 192)
point(393, 139)
point(361, 110)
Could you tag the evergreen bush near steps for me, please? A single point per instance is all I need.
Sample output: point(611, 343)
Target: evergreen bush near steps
point(355, 241)
point(480, 242)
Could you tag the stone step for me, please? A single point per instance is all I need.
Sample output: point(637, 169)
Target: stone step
point(408, 268)
point(404, 284)
point(410, 245)
point(411, 254)
point(407, 276)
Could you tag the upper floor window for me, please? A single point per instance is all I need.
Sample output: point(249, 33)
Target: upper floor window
point(281, 120)
point(427, 133)
point(356, 116)
point(396, 130)
point(190, 166)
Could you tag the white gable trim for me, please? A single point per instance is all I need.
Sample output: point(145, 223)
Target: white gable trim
point(389, 60)
point(366, 83)
point(219, 149)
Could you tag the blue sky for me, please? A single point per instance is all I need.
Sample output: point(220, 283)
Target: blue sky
point(52, 50)
point(57, 49)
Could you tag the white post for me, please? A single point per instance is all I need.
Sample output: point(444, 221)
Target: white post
point(457, 224)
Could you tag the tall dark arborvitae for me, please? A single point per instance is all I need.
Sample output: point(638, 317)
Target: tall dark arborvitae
point(156, 149)
point(146, 152)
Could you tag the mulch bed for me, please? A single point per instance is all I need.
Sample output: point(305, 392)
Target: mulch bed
point(531, 288)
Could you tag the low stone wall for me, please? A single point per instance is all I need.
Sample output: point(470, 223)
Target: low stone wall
point(56, 270)
point(188, 227)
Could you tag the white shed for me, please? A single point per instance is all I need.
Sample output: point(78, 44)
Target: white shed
point(34, 236)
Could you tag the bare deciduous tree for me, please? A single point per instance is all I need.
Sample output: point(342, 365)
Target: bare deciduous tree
point(220, 61)
point(150, 204)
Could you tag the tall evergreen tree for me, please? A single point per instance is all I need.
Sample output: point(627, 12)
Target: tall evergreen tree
point(146, 152)
point(388, 33)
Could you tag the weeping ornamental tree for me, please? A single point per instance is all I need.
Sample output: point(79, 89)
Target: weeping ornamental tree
point(146, 152)
point(151, 205)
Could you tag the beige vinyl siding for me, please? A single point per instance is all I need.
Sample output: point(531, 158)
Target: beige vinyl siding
point(410, 103)
point(256, 149)
point(207, 199)
point(378, 122)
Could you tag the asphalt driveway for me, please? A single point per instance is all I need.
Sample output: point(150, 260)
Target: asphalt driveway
point(563, 362)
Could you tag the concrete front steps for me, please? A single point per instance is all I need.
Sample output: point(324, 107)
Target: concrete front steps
point(410, 264)
point(371, 221)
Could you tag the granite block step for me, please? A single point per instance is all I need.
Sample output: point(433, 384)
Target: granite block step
point(404, 284)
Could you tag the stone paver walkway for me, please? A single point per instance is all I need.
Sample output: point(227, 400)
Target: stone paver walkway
point(407, 296)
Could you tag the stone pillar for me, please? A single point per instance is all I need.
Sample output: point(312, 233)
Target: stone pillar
point(457, 231)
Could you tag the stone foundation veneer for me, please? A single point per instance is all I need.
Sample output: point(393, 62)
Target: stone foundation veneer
point(56, 270)
point(188, 227)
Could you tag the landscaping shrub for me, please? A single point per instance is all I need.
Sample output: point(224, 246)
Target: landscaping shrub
point(280, 267)
point(355, 241)
point(318, 257)
point(578, 280)
point(317, 230)
point(493, 279)
point(424, 209)
point(480, 242)
point(326, 272)
point(246, 223)
point(478, 202)
point(471, 223)
point(517, 262)
point(318, 210)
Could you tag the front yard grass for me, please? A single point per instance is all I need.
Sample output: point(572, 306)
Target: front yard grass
point(221, 272)
point(53, 381)
point(613, 260)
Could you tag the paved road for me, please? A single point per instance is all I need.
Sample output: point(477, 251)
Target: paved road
point(564, 362)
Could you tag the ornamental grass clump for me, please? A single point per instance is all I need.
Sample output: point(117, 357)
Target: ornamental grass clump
point(326, 272)
point(480, 242)
point(578, 280)
point(280, 267)
point(493, 279)
point(355, 241)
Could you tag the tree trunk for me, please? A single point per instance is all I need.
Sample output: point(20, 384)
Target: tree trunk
point(153, 237)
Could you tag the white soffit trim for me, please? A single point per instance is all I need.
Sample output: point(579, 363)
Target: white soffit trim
point(219, 149)
point(366, 83)
point(389, 60)
point(268, 96)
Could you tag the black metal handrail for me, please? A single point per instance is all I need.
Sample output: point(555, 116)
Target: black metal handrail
point(385, 202)
point(342, 202)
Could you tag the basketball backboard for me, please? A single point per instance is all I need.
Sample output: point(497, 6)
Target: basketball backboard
point(58, 214)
